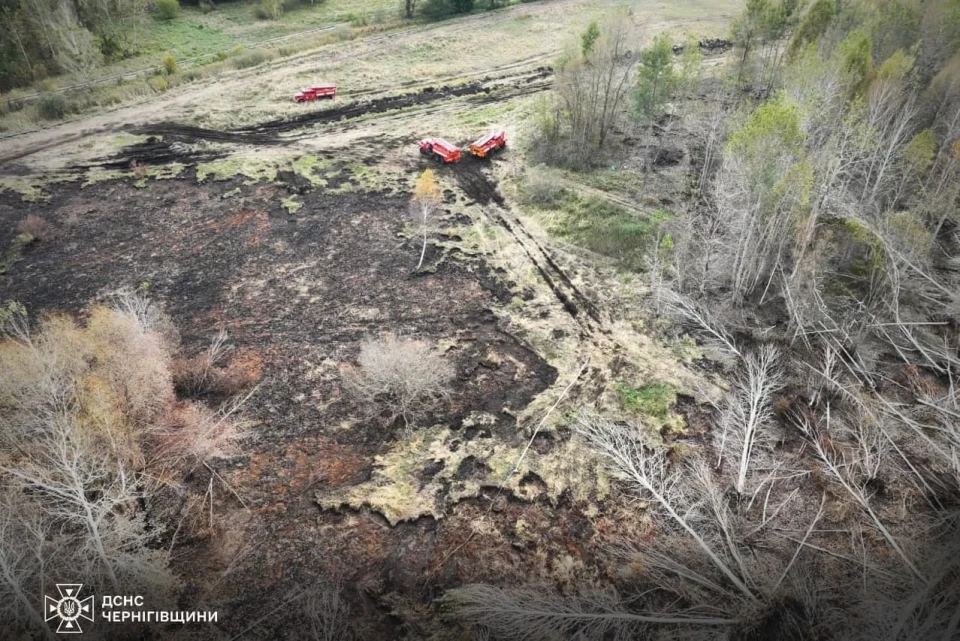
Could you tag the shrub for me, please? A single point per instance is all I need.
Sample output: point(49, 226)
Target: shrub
point(169, 62)
point(250, 59)
point(13, 103)
point(139, 171)
point(167, 9)
point(403, 377)
point(269, 9)
point(113, 46)
point(355, 20)
point(542, 189)
point(52, 106)
point(159, 83)
point(206, 7)
point(204, 374)
point(193, 434)
point(36, 227)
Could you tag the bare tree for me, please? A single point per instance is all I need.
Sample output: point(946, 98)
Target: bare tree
point(849, 471)
point(542, 615)
point(424, 207)
point(109, 540)
point(748, 411)
point(22, 564)
point(75, 408)
point(591, 85)
point(648, 471)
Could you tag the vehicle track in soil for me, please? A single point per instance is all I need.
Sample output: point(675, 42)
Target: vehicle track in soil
point(539, 60)
point(430, 100)
point(478, 186)
point(421, 110)
point(173, 131)
point(180, 103)
point(427, 95)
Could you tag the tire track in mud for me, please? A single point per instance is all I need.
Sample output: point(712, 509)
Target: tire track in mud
point(172, 142)
point(425, 96)
point(433, 108)
point(539, 60)
point(477, 185)
point(177, 139)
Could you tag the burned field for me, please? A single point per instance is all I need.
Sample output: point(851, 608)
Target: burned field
point(297, 292)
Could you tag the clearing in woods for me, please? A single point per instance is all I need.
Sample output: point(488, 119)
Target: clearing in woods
point(285, 226)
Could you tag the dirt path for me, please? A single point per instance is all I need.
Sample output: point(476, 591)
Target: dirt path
point(174, 105)
point(367, 68)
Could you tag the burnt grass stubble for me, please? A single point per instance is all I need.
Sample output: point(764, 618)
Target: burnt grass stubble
point(300, 290)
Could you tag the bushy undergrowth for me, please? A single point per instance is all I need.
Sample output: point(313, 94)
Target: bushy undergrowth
point(166, 9)
point(399, 378)
point(251, 58)
point(169, 63)
point(37, 227)
point(90, 428)
point(542, 189)
point(53, 106)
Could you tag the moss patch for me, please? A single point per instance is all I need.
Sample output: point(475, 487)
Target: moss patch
point(433, 468)
point(654, 399)
point(653, 402)
point(291, 204)
point(229, 167)
point(28, 191)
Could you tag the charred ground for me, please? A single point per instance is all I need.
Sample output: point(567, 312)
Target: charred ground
point(299, 291)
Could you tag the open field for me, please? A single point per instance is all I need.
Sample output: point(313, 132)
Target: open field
point(524, 36)
point(285, 225)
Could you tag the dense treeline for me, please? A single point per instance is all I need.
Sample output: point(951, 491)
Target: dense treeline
point(41, 38)
point(816, 261)
point(92, 431)
point(45, 38)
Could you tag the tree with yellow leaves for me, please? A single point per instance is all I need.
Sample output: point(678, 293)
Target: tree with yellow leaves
point(424, 207)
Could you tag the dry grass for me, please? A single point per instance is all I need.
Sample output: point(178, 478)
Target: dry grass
point(399, 376)
point(193, 433)
point(206, 374)
point(38, 228)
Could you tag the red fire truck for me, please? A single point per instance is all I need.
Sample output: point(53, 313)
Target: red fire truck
point(440, 149)
point(315, 93)
point(493, 141)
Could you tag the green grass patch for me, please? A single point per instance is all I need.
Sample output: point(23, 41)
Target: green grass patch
point(654, 399)
point(610, 230)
